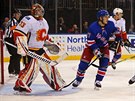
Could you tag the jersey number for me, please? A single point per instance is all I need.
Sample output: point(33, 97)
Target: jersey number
point(22, 24)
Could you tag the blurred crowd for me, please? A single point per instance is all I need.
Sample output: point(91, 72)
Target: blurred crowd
point(63, 28)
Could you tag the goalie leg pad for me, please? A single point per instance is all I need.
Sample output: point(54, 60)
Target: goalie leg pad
point(28, 75)
point(52, 76)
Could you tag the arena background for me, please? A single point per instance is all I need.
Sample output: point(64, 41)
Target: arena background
point(73, 12)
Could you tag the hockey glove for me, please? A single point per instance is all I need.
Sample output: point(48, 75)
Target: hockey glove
point(97, 53)
point(118, 39)
point(113, 45)
point(127, 43)
point(21, 42)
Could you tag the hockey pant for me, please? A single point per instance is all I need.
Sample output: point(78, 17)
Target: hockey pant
point(50, 74)
point(86, 59)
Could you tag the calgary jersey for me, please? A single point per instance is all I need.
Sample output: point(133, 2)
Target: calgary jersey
point(98, 37)
point(119, 23)
point(38, 30)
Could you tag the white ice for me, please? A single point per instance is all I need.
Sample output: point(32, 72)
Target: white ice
point(114, 86)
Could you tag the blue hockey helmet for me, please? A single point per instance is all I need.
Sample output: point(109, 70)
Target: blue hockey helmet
point(102, 13)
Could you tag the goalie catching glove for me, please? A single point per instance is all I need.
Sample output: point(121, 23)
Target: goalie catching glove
point(51, 47)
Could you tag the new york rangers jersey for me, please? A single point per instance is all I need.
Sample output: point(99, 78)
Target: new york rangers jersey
point(120, 24)
point(98, 37)
point(38, 30)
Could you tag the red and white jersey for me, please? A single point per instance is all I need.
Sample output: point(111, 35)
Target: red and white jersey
point(38, 30)
point(119, 23)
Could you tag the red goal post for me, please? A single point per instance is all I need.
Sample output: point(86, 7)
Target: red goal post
point(1, 58)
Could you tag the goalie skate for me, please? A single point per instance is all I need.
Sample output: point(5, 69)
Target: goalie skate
point(97, 85)
point(20, 90)
point(21, 87)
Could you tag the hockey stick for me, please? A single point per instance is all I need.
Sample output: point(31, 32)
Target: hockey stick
point(116, 62)
point(34, 55)
point(93, 61)
point(125, 59)
point(119, 43)
point(69, 84)
point(62, 57)
point(127, 49)
point(75, 78)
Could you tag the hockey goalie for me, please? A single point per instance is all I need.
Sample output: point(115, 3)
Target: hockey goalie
point(31, 35)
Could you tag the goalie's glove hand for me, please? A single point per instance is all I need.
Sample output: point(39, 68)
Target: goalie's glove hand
point(51, 47)
point(98, 53)
point(47, 42)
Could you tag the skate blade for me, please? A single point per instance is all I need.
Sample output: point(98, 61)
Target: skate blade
point(74, 87)
point(21, 93)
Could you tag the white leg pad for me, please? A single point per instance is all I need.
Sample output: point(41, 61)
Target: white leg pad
point(52, 76)
point(31, 73)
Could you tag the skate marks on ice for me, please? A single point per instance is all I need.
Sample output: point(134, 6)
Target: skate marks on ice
point(37, 90)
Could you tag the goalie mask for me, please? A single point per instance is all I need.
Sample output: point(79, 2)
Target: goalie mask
point(37, 11)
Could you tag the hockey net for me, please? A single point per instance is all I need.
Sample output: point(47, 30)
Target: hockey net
point(1, 59)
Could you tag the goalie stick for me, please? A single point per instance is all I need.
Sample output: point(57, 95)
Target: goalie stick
point(34, 55)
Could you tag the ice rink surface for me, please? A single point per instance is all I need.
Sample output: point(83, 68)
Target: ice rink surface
point(114, 86)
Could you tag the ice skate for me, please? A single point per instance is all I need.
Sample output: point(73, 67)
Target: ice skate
point(76, 83)
point(21, 87)
point(113, 65)
point(11, 75)
point(132, 80)
point(97, 85)
point(20, 90)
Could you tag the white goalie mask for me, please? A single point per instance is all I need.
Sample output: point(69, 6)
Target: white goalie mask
point(37, 11)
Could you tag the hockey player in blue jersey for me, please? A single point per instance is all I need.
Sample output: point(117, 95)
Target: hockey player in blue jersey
point(97, 45)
